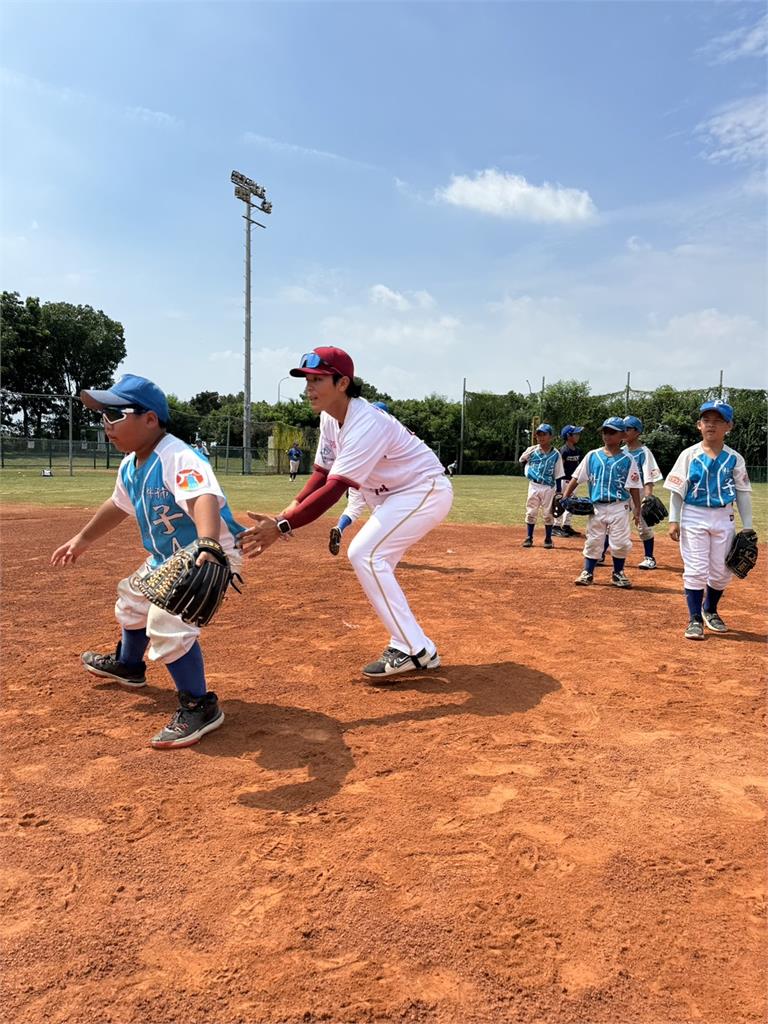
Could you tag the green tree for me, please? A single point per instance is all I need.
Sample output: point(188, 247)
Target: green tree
point(25, 362)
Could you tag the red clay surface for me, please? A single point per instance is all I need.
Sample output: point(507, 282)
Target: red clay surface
point(564, 823)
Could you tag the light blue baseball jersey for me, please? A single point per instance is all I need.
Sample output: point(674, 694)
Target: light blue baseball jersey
point(646, 463)
point(158, 492)
point(707, 482)
point(543, 467)
point(610, 477)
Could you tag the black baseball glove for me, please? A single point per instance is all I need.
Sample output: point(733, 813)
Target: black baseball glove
point(742, 557)
point(181, 587)
point(653, 510)
point(576, 506)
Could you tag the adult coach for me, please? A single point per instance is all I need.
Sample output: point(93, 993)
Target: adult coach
point(398, 476)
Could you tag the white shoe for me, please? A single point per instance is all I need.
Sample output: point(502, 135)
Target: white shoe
point(649, 562)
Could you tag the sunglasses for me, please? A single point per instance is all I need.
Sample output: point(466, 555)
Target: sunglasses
point(312, 361)
point(116, 414)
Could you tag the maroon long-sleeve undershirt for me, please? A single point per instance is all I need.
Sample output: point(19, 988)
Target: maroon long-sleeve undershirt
point(319, 494)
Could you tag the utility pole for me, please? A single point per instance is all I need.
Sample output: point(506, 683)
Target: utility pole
point(246, 189)
point(461, 435)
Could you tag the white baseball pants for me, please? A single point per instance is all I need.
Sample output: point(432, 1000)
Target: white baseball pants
point(540, 496)
point(611, 520)
point(394, 526)
point(169, 637)
point(706, 535)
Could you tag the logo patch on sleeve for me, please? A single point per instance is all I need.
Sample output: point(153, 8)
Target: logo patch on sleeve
point(189, 479)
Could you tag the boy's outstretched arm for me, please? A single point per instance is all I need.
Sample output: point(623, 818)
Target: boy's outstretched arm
point(107, 518)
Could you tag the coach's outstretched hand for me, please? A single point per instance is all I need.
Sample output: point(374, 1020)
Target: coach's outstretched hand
point(258, 538)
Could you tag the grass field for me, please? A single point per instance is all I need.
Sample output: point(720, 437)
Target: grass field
point(479, 499)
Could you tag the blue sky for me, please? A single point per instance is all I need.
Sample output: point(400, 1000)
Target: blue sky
point(501, 192)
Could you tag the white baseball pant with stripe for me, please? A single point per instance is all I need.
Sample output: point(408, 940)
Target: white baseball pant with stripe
point(609, 519)
point(706, 535)
point(399, 522)
point(170, 638)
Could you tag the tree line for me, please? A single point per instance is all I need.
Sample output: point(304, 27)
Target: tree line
point(56, 348)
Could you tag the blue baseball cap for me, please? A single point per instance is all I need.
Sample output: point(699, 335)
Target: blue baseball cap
point(570, 429)
point(129, 390)
point(613, 423)
point(633, 423)
point(544, 428)
point(725, 410)
point(380, 405)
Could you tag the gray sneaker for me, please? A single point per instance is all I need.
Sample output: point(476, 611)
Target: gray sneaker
point(334, 540)
point(194, 718)
point(620, 579)
point(585, 579)
point(695, 630)
point(393, 662)
point(110, 666)
point(713, 621)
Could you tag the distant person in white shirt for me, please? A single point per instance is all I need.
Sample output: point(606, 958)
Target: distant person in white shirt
point(400, 478)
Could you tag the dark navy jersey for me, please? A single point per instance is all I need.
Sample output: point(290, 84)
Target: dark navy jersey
point(571, 458)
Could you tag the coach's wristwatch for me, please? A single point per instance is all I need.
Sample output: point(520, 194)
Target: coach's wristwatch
point(283, 526)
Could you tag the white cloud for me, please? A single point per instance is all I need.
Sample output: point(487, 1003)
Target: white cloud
point(746, 41)
point(738, 132)
point(383, 296)
point(413, 334)
point(277, 146)
point(298, 295)
point(636, 244)
point(511, 196)
point(380, 295)
point(157, 117)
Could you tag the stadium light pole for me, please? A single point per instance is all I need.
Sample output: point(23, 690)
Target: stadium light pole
point(278, 386)
point(246, 189)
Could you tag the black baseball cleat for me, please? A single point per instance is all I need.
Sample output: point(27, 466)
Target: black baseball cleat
point(568, 531)
point(559, 531)
point(194, 718)
point(527, 543)
point(393, 662)
point(548, 544)
point(334, 540)
point(110, 666)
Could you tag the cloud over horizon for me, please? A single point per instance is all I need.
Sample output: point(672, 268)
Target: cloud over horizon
point(513, 197)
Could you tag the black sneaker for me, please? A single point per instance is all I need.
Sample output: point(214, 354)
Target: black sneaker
point(110, 666)
point(334, 540)
point(393, 662)
point(559, 531)
point(548, 544)
point(527, 543)
point(568, 531)
point(195, 717)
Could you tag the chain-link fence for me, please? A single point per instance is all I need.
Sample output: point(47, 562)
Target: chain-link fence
point(77, 441)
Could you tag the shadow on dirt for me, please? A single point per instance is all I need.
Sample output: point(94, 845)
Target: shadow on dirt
point(292, 739)
point(446, 570)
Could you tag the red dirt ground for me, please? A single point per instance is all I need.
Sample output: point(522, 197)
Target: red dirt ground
point(563, 824)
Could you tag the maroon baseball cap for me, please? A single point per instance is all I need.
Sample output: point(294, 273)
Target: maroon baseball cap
point(323, 362)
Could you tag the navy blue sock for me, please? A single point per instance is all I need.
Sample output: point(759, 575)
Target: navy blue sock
point(529, 527)
point(589, 564)
point(189, 672)
point(618, 564)
point(694, 600)
point(648, 547)
point(712, 599)
point(132, 646)
point(547, 532)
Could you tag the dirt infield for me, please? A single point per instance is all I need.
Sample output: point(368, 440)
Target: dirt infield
point(565, 823)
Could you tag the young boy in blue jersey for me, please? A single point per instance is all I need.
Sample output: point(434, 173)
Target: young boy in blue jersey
point(650, 474)
point(571, 455)
point(614, 486)
point(704, 483)
point(544, 469)
point(171, 490)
